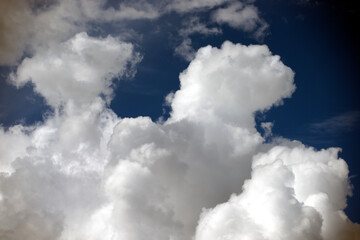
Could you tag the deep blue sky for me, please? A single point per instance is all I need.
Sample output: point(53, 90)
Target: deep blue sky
point(316, 39)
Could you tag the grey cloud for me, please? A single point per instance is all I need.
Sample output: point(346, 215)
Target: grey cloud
point(190, 27)
point(267, 127)
point(15, 20)
point(194, 25)
point(31, 26)
point(185, 50)
point(242, 16)
point(183, 6)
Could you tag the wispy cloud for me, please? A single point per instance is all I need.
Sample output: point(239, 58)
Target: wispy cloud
point(244, 17)
point(190, 27)
point(342, 123)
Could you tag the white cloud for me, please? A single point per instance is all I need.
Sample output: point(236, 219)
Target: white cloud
point(84, 173)
point(241, 16)
point(218, 80)
point(13, 143)
point(294, 193)
point(78, 70)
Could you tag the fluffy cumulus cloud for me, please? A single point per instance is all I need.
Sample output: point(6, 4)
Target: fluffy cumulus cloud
point(78, 70)
point(85, 173)
point(208, 89)
point(294, 193)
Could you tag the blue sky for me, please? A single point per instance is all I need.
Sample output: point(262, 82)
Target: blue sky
point(48, 122)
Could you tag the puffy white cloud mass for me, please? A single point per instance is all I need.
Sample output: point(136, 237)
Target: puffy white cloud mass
point(78, 70)
point(86, 174)
point(218, 80)
point(294, 193)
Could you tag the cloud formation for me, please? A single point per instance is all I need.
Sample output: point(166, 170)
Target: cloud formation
point(27, 27)
point(30, 26)
point(294, 193)
point(185, 50)
point(242, 16)
point(85, 173)
point(236, 14)
point(204, 96)
point(78, 70)
point(345, 122)
point(190, 27)
point(15, 19)
point(193, 5)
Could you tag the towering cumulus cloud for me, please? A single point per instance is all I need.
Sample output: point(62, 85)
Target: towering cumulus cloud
point(294, 193)
point(86, 174)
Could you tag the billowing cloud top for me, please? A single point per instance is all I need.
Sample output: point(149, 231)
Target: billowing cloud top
point(78, 70)
point(84, 173)
point(217, 80)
